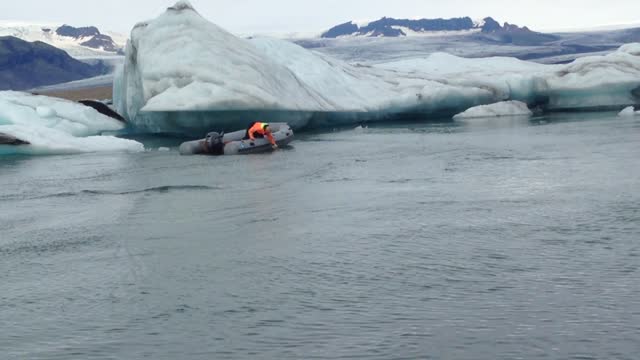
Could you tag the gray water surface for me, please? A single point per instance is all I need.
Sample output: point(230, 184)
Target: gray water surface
point(502, 239)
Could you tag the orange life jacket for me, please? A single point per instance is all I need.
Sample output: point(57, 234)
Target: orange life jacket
point(258, 128)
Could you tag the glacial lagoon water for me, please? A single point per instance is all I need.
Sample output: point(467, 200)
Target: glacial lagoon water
point(489, 239)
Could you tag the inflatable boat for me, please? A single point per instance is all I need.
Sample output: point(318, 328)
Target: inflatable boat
point(235, 143)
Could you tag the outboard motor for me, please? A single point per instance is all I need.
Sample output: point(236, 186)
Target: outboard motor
point(214, 143)
point(214, 138)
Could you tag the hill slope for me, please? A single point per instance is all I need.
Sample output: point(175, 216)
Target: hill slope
point(25, 65)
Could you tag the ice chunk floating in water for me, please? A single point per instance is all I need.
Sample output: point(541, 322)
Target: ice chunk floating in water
point(504, 108)
point(185, 74)
point(32, 124)
point(629, 112)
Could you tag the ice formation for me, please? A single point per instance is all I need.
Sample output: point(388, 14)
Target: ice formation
point(503, 108)
point(629, 111)
point(185, 74)
point(44, 125)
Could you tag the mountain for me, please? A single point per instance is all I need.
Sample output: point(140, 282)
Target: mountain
point(512, 34)
point(25, 65)
point(77, 33)
point(399, 27)
point(96, 40)
point(488, 30)
point(77, 41)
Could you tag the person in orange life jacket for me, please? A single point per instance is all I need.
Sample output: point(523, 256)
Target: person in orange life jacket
point(260, 130)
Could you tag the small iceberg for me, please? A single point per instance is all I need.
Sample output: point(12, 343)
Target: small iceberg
point(500, 109)
point(629, 112)
point(41, 125)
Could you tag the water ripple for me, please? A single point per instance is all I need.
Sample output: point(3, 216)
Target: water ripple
point(157, 189)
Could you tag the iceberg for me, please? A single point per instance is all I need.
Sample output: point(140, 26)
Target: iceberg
point(39, 125)
point(499, 109)
point(629, 111)
point(184, 74)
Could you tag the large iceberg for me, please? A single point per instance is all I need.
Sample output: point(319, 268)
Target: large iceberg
point(185, 74)
point(31, 124)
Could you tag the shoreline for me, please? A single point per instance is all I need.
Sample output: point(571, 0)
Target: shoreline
point(88, 93)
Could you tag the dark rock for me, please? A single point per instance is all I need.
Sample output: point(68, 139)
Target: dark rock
point(342, 29)
point(491, 30)
point(6, 139)
point(97, 41)
point(512, 34)
point(76, 33)
point(490, 25)
point(180, 6)
point(101, 41)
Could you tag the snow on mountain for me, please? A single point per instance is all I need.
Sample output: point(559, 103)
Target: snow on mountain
point(395, 27)
point(184, 74)
point(389, 27)
point(78, 42)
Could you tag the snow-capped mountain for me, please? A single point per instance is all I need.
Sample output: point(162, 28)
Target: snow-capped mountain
point(390, 27)
point(78, 42)
point(487, 28)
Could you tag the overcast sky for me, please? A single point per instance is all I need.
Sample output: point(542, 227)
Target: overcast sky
point(243, 16)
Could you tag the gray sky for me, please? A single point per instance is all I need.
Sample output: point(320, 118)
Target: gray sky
point(303, 15)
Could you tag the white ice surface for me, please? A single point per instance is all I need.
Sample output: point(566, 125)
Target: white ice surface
point(182, 72)
point(629, 111)
point(503, 108)
point(56, 126)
